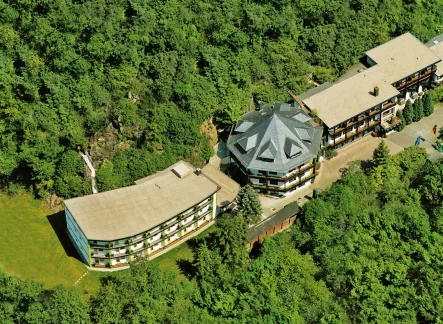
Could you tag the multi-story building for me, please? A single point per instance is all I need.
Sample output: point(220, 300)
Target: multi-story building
point(113, 228)
point(369, 100)
point(436, 45)
point(276, 148)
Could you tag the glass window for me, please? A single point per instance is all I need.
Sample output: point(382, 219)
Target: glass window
point(273, 182)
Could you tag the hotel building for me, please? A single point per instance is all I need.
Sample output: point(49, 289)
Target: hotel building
point(368, 101)
point(275, 148)
point(113, 228)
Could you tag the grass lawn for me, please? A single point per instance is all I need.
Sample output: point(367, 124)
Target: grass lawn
point(35, 247)
point(30, 247)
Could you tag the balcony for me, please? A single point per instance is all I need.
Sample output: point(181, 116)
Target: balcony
point(372, 113)
point(340, 139)
point(349, 123)
point(390, 123)
point(388, 105)
point(372, 123)
point(337, 129)
point(350, 134)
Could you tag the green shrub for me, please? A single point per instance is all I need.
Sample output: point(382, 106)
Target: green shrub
point(330, 153)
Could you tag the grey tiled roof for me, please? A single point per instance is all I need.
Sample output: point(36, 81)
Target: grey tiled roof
point(275, 133)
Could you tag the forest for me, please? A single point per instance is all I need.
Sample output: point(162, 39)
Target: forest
point(135, 83)
point(368, 250)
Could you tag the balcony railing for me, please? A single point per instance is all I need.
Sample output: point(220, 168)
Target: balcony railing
point(286, 177)
point(372, 113)
point(388, 105)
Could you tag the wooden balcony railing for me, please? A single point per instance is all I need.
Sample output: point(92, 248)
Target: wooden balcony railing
point(388, 105)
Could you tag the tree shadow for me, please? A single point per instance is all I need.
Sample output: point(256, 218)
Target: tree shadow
point(257, 250)
point(58, 223)
point(187, 268)
point(366, 164)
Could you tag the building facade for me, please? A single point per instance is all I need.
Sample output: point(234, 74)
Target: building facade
point(367, 102)
point(276, 148)
point(113, 228)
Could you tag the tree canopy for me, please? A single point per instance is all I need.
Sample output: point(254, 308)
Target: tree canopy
point(106, 76)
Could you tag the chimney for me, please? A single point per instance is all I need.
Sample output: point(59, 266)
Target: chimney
point(198, 171)
point(376, 91)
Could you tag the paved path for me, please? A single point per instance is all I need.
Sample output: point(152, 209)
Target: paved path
point(271, 205)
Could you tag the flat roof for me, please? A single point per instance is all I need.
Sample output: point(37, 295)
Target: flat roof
point(229, 188)
point(313, 91)
point(129, 211)
point(395, 60)
point(438, 50)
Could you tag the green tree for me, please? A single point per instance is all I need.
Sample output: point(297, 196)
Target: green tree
point(408, 112)
point(248, 204)
point(231, 239)
point(428, 106)
point(418, 110)
point(381, 154)
point(403, 120)
point(107, 177)
point(440, 133)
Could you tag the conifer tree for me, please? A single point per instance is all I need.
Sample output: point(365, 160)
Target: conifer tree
point(248, 204)
point(381, 154)
point(403, 121)
point(428, 106)
point(408, 112)
point(418, 110)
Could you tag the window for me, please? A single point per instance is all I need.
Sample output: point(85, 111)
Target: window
point(261, 171)
point(272, 172)
point(273, 182)
point(97, 260)
point(266, 160)
point(101, 250)
point(296, 154)
point(262, 181)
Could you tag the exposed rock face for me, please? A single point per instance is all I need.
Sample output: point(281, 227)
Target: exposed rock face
point(104, 144)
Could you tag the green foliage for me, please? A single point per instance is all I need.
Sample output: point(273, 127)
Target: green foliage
point(436, 94)
point(440, 133)
point(403, 120)
point(248, 205)
point(408, 112)
point(418, 110)
point(154, 72)
point(231, 239)
point(330, 153)
point(371, 235)
point(381, 154)
point(428, 106)
point(70, 179)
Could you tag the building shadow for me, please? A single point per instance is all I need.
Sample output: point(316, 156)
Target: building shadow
point(58, 223)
